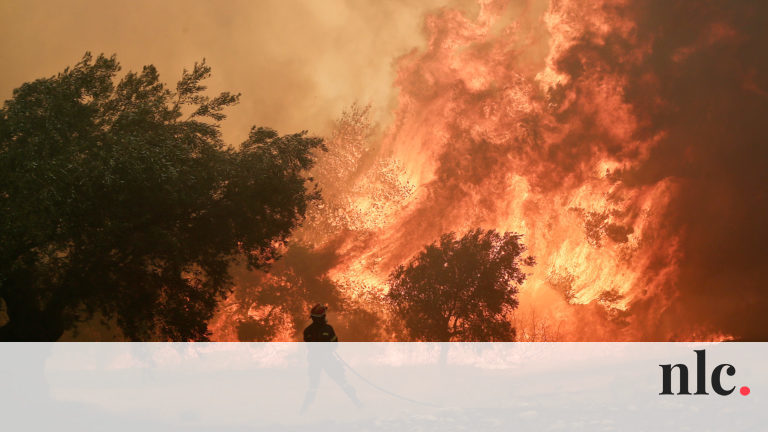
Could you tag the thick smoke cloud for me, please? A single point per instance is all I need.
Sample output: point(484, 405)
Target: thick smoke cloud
point(704, 85)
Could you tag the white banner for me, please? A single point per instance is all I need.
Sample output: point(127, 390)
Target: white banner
point(383, 386)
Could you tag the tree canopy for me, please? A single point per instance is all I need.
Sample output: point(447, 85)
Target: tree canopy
point(460, 288)
point(119, 198)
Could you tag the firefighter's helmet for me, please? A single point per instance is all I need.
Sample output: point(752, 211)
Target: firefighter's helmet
point(318, 311)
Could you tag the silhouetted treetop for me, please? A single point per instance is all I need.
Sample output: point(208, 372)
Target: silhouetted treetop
point(461, 288)
point(119, 197)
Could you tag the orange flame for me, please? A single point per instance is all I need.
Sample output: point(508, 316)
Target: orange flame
point(480, 130)
point(502, 124)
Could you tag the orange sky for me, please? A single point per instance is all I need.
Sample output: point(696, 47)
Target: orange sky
point(297, 63)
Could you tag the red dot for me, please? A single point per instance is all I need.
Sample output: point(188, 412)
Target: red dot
point(744, 391)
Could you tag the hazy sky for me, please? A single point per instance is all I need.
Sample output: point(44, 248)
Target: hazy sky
point(296, 63)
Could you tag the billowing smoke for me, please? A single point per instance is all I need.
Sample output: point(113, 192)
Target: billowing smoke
point(702, 87)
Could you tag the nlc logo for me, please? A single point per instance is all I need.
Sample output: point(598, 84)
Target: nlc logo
point(701, 377)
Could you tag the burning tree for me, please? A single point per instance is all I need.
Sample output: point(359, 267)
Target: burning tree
point(121, 200)
point(361, 189)
point(461, 289)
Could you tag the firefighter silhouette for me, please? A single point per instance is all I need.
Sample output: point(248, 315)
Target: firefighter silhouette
point(322, 357)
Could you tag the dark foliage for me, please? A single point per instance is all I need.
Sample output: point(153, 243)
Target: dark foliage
point(119, 198)
point(461, 289)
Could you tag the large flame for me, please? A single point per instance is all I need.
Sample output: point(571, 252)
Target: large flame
point(493, 136)
point(523, 119)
